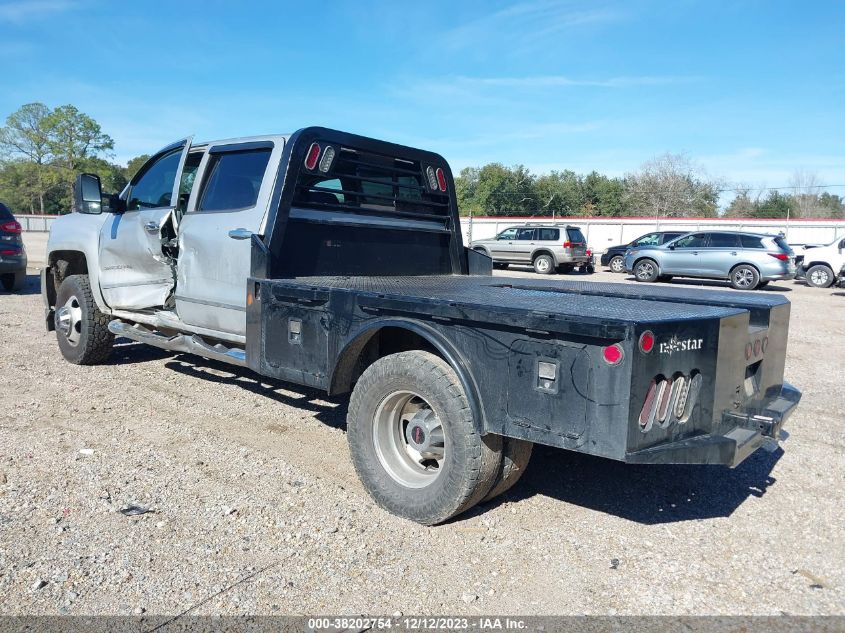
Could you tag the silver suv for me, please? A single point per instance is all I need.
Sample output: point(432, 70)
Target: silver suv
point(547, 247)
point(747, 260)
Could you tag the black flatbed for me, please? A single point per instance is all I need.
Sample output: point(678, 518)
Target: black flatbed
point(550, 305)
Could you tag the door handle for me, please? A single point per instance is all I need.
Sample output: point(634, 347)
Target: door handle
point(240, 234)
point(733, 252)
point(151, 227)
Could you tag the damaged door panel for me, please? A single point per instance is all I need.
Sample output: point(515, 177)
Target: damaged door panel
point(135, 272)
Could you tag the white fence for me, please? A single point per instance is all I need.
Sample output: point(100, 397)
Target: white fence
point(604, 232)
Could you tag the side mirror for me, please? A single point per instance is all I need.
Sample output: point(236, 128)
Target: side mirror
point(671, 247)
point(87, 194)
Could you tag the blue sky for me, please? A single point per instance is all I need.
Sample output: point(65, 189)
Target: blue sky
point(751, 89)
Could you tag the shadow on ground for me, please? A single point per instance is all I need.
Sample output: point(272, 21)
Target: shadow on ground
point(648, 494)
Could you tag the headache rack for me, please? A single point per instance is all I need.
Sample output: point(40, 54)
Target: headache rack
point(356, 195)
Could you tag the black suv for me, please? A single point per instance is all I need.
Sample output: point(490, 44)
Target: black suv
point(12, 252)
point(614, 257)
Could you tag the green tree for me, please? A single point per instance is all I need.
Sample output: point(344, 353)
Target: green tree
point(672, 186)
point(605, 196)
point(775, 205)
point(25, 138)
point(496, 190)
point(136, 163)
point(559, 193)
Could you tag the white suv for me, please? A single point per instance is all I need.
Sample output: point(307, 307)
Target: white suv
point(823, 265)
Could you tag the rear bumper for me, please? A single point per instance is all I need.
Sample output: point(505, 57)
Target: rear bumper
point(750, 431)
point(12, 264)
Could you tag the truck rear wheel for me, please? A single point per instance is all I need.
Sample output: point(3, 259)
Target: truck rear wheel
point(12, 282)
point(515, 457)
point(81, 329)
point(544, 264)
point(413, 441)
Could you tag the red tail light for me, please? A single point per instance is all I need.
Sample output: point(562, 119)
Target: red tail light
point(312, 156)
point(646, 342)
point(567, 244)
point(781, 256)
point(441, 179)
point(613, 354)
point(11, 227)
point(10, 252)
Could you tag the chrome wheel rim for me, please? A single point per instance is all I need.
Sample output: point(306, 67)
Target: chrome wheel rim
point(744, 277)
point(542, 265)
point(409, 439)
point(819, 277)
point(616, 265)
point(69, 321)
point(645, 270)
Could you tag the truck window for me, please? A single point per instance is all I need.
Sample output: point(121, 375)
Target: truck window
point(548, 235)
point(233, 180)
point(154, 187)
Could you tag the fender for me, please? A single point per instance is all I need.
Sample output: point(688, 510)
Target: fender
point(81, 232)
point(356, 342)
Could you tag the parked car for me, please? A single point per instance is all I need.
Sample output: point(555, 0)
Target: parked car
point(12, 251)
point(821, 266)
point(614, 257)
point(546, 247)
point(747, 260)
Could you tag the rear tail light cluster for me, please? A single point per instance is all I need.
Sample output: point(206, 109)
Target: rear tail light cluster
point(781, 256)
point(567, 244)
point(12, 226)
point(436, 178)
point(10, 251)
point(613, 354)
point(756, 348)
point(312, 158)
point(670, 400)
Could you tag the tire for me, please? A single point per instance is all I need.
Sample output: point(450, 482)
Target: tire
point(646, 270)
point(744, 277)
point(515, 457)
point(398, 395)
point(81, 329)
point(500, 266)
point(12, 282)
point(820, 276)
point(544, 265)
point(565, 268)
point(616, 264)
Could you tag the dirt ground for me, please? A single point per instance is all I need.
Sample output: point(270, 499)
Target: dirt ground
point(255, 507)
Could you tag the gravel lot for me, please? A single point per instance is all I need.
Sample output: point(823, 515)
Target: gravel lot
point(256, 508)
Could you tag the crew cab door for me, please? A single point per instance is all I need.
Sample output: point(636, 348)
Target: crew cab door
point(227, 206)
point(134, 273)
point(685, 258)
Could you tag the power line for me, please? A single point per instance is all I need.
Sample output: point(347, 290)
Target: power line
point(715, 190)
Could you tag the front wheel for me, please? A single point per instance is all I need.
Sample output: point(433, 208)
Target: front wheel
point(413, 440)
point(646, 270)
point(820, 276)
point(82, 331)
point(617, 264)
point(745, 277)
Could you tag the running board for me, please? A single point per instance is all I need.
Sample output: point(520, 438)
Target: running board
point(187, 343)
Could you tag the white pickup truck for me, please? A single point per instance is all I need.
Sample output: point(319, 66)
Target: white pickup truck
point(823, 265)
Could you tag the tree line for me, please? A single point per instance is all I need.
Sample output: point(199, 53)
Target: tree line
point(42, 150)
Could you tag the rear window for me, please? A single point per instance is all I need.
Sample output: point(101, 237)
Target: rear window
point(575, 235)
point(549, 235)
point(782, 243)
point(751, 241)
point(724, 240)
point(234, 180)
point(360, 181)
point(5, 214)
